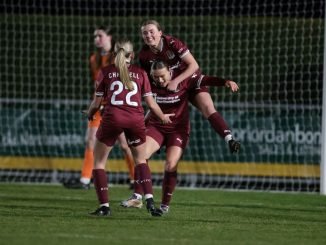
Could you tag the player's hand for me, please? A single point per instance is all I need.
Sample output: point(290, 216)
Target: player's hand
point(167, 118)
point(172, 86)
point(89, 117)
point(232, 85)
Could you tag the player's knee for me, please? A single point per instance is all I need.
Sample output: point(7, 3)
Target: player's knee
point(99, 165)
point(206, 107)
point(90, 142)
point(207, 110)
point(140, 161)
point(171, 166)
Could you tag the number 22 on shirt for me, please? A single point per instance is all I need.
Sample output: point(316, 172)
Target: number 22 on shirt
point(118, 88)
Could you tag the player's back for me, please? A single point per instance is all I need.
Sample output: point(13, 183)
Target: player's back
point(123, 105)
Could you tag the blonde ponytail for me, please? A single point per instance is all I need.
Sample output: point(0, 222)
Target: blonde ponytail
point(123, 50)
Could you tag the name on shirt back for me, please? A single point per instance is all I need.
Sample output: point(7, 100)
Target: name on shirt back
point(116, 74)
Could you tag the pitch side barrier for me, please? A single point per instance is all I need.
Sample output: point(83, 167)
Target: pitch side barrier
point(43, 141)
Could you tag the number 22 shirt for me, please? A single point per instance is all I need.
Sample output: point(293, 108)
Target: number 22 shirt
point(123, 105)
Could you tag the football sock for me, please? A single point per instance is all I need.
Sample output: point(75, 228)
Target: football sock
point(131, 166)
point(88, 164)
point(168, 186)
point(101, 185)
point(145, 178)
point(138, 186)
point(138, 196)
point(219, 125)
point(148, 196)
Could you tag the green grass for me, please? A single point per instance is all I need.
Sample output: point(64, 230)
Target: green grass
point(47, 214)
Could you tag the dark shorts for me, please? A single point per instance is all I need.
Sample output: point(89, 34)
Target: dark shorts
point(108, 133)
point(180, 139)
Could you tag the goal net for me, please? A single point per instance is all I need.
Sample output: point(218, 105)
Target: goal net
point(272, 49)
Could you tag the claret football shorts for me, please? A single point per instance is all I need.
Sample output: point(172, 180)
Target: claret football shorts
point(180, 139)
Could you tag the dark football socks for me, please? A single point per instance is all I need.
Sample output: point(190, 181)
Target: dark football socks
point(219, 125)
point(101, 185)
point(169, 183)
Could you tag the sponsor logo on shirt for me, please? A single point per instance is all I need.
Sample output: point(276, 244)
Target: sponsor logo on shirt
point(167, 99)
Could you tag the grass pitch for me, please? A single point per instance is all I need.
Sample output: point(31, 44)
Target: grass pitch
point(46, 214)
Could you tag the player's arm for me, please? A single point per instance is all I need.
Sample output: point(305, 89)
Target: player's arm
point(151, 103)
point(154, 107)
point(218, 82)
point(192, 67)
point(232, 85)
point(94, 107)
point(92, 70)
point(147, 116)
point(99, 95)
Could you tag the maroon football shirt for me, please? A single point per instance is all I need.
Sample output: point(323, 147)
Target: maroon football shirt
point(172, 52)
point(173, 102)
point(123, 105)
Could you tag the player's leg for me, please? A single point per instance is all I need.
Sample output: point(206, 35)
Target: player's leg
point(106, 137)
point(154, 140)
point(88, 163)
point(141, 156)
point(144, 178)
point(135, 200)
point(175, 145)
point(128, 157)
point(173, 155)
point(153, 144)
point(101, 153)
point(204, 103)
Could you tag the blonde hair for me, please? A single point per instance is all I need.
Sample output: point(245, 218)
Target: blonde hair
point(123, 52)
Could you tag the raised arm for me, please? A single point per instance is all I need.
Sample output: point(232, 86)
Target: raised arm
point(219, 82)
point(192, 67)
